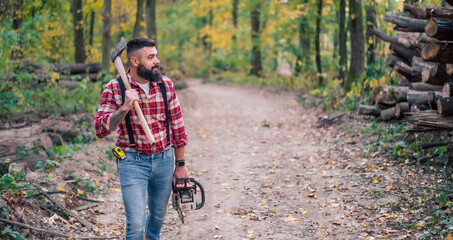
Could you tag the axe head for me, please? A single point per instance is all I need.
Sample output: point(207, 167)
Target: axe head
point(118, 49)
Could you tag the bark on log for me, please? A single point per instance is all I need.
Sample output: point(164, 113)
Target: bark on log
point(447, 90)
point(418, 97)
point(392, 59)
point(388, 114)
point(403, 69)
point(417, 12)
point(445, 106)
point(438, 52)
point(401, 108)
point(426, 39)
point(419, 107)
point(78, 68)
point(406, 42)
point(424, 87)
point(10, 146)
point(418, 65)
point(449, 69)
point(440, 28)
point(406, 24)
point(439, 12)
point(427, 145)
point(92, 76)
point(390, 95)
point(436, 75)
point(404, 52)
point(369, 110)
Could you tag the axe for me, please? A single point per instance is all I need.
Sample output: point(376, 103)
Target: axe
point(115, 57)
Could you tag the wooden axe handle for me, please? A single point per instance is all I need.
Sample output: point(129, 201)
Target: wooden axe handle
point(120, 67)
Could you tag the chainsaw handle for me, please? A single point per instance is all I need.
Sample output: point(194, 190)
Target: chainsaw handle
point(200, 205)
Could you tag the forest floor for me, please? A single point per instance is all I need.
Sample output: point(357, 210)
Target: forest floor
point(270, 171)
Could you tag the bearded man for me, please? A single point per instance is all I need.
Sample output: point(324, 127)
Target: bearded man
point(146, 168)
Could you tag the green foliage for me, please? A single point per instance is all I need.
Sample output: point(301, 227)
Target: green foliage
point(87, 184)
point(49, 164)
point(12, 181)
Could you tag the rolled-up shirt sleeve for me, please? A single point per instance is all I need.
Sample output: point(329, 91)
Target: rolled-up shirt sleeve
point(176, 119)
point(106, 108)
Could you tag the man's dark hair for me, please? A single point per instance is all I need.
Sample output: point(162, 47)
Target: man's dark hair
point(138, 43)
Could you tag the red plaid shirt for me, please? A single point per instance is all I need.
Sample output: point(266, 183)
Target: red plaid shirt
point(153, 109)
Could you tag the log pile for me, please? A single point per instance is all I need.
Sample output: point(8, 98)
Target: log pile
point(67, 72)
point(422, 57)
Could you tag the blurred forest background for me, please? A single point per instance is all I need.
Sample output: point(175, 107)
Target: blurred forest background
point(325, 46)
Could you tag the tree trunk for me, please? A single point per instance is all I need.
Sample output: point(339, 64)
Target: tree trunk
point(447, 90)
point(257, 68)
point(357, 42)
point(18, 13)
point(417, 12)
point(440, 28)
point(370, 25)
point(235, 24)
point(90, 42)
point(401, 108)
point(107, 25)
point(79, 44)
point(406, 24)
point(388, 114)
point(445, 106)
point(419, 86)
point(438, 52)
point(436, 74)
point(138, 19)
point(318, 44)
point(369, 110)
point(151, 29)
point(303, 53)
point(439, 12)
point(342, 38)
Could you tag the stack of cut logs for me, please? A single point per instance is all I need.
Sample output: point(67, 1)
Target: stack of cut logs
point(423, 58)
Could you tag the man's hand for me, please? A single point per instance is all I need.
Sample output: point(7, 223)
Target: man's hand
point(180, 172)
point(131, 96)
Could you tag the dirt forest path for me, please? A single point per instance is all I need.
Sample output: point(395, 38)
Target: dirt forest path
point(267, 171)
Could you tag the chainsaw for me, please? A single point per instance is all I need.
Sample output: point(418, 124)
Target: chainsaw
point(184, 196)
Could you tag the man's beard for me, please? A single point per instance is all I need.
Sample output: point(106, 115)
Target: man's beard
point(152, 75)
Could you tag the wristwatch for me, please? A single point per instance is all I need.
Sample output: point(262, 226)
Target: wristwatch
point(180, 163)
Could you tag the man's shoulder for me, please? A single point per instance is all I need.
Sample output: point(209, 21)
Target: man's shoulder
point(112, 85)
point(167, 81)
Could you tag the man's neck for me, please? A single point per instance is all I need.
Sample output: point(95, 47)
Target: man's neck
point(136, 77)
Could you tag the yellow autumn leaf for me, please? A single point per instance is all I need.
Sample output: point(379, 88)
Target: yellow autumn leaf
point(80, 192)
point(310, 194)
point(117, 190)
point(370, 40)
point(324, 227)
point(113, 227)
point(61, 189)
point(268, 191)
point(364, 225)
point(273, 211)
point(251, 235)
point(212, 155)
point(292, 219)
point(448, 237)
point(303, 211)
point(375, 181)
point(360, 217)
point(263, 203)
point(382, 80)
point(274, 167)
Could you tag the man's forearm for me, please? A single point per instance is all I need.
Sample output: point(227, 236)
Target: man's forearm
point(116, 118)
point(179, 153)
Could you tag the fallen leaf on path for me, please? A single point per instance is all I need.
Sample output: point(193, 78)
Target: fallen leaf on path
point(263, 203)
point(80, 192)
point(113, 227)
point(375, 181)
point(310, 194)
point(324, 227)
point(292, 219)
point(251, 235)
point(449, 237)
point(117, 190)
point(303, 211)
point(61, 189)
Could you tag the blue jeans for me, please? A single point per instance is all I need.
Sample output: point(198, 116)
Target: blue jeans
point(138, 174)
